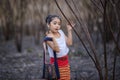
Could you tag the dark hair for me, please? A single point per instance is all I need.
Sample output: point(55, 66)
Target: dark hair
point(49, 18)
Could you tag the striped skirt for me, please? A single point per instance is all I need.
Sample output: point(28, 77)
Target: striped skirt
point(64, 67)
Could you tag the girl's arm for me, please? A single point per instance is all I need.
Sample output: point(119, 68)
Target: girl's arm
point(69, 36)
point(53, 44)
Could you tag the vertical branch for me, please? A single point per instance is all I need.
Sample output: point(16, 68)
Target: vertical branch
point(19, 31)
point(118, 37)
point(21, 24)
point(114, 66)
point(116, 42)
point(7, 11)
point(118, 24)
point(104, 40)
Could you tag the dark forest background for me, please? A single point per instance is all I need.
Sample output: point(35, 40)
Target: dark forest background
point(94, 55)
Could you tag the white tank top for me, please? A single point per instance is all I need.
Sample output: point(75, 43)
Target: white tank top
point(62, 46)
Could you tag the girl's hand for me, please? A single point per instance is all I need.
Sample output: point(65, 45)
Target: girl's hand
point(69, 27)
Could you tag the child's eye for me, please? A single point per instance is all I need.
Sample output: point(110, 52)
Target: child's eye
point(54, 23)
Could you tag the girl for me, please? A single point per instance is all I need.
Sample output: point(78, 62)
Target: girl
point(59, 44)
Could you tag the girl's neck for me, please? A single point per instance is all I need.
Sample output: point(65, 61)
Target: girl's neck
point(56, 34)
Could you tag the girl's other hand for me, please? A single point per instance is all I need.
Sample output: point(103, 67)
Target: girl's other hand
point(70, 25)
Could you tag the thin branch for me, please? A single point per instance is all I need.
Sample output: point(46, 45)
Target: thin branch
point(118, 24)
point(97, 6)
point(104, 41)
point(89, 40)
point(101, 3)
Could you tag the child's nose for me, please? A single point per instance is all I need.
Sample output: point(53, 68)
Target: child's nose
point(58, 25)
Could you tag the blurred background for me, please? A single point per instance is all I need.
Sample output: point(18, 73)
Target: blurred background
point(94, 55)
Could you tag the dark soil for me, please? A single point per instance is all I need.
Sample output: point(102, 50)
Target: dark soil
point(27, 65)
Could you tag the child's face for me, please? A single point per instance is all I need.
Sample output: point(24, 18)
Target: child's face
point(55, 25)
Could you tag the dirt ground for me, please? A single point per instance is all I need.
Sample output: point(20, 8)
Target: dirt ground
point(28, 64)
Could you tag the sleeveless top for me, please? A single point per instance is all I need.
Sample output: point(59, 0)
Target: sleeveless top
point(62, 46)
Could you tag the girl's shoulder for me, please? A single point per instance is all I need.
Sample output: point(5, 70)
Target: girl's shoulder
point(61, 31)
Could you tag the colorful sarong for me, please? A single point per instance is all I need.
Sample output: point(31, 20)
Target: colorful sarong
point(64, 67)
